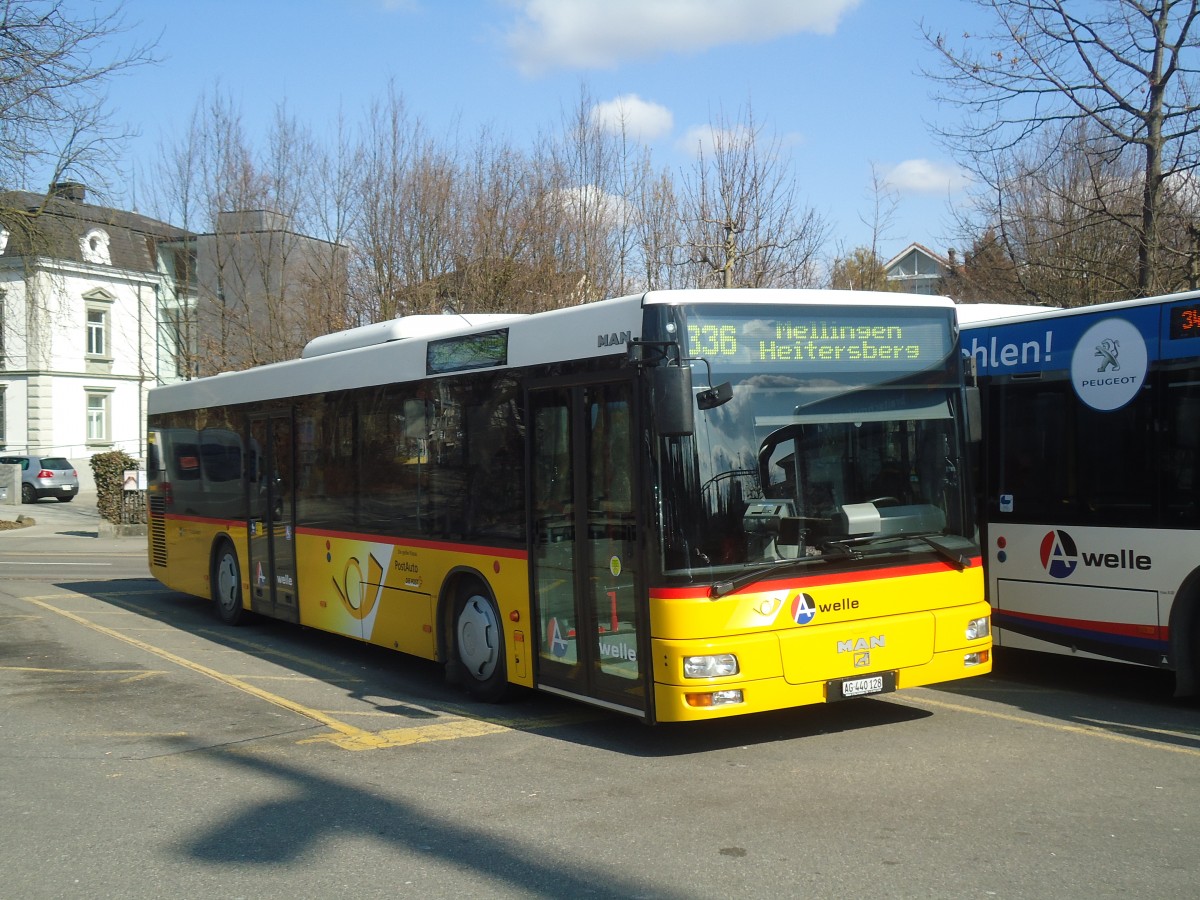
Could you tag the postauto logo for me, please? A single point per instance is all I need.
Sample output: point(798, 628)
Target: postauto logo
point(1059, 554)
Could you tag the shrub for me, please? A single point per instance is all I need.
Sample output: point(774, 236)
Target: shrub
point(109, 471)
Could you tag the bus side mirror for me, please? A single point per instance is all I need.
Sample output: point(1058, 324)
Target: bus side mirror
point(672, 404)
point(974, 413)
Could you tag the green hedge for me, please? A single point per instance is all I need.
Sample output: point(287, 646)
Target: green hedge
point(109, 470)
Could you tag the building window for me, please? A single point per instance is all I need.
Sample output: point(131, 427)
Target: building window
point(97, 332)
point(98, 417)
point(98, 340)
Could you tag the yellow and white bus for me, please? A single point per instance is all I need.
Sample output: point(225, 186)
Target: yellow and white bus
point(678, 505)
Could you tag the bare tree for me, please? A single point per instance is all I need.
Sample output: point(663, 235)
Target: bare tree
point(862, 269)
point(408, 221)
point(745, 225)
point(262, 286)
point(333, 206)
point(1066, 220)
point(586, 173)
point(54, 65)
point(512, 216)
point(1127, 68)
point(659, 233)
point(604, 174)
point(985, 274)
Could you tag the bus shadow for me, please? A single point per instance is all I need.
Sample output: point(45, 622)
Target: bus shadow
point(620, 734)
point(414, 690)
point(1124, 700)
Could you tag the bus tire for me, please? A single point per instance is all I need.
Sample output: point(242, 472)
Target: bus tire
point(1184, 626)
point(479, 644)
point(226, 583)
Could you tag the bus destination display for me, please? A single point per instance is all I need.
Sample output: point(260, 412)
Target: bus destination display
point(1185, 321)
point(821, 343)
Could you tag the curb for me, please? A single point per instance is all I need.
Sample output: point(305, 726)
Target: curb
point(113, 530)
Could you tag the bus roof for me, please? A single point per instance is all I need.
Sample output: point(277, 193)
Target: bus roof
point(970, 314)
point(813, 296)
point(978, 315)
point(398, 349)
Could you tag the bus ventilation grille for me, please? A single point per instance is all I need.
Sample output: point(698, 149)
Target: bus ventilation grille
point(158, 531)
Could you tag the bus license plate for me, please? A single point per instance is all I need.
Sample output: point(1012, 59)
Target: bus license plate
point(846, 688)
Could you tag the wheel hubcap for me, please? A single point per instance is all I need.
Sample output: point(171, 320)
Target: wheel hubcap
point(227, 581)
point(478, 633)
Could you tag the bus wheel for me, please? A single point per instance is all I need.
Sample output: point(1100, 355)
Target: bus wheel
point(479, 645)
point(227, 585)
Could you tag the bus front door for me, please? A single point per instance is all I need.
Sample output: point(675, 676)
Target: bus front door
point(272, 521)
point(592, 630)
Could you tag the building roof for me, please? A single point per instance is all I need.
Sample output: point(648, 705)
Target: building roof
point(60, 225)
point(917, 248)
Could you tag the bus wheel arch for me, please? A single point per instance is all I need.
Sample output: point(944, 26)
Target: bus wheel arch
point(473, 637)
point(1184, 627)
point(225, 577)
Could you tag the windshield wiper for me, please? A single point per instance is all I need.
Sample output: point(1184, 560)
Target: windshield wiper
point(841, 548)
point(721, 588)
point(953, 555)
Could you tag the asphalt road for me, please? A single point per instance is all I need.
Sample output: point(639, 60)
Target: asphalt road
point(150, 752)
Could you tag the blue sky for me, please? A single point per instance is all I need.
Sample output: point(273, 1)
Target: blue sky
point(837, 80)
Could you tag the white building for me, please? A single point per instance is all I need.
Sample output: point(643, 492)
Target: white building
point(917, 270)
point(82, 290)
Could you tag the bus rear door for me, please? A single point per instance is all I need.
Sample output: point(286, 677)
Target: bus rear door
point(272, 518)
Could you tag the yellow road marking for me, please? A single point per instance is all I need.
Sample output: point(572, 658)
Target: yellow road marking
point(349, 732)
point(403, 737)
point(450, 729)
point(263, 649)
point(346, 736)
point(139, 677)
point(135, 673)
point(1086, 730)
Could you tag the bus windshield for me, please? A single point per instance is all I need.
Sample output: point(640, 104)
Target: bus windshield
point(841, 440)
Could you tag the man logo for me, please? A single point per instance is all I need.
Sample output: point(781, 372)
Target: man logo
point(1059, 554)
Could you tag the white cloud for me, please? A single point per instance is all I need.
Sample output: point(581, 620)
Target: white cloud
point(703, 139)
point(589, 200)
point(595, 34)
point(923, 176)
point(638, 118)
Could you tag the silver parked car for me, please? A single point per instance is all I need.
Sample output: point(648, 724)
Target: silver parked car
point(45, 476)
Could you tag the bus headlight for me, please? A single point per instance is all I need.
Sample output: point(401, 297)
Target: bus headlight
point(715, 666)
point(715, 698)
point(979, 628)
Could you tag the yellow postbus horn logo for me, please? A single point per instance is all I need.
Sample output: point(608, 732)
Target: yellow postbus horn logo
point(359, 595)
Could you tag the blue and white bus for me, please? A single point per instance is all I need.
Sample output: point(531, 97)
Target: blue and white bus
point(1090, 481)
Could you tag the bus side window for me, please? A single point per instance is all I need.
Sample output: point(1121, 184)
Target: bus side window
point(1181, 453)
